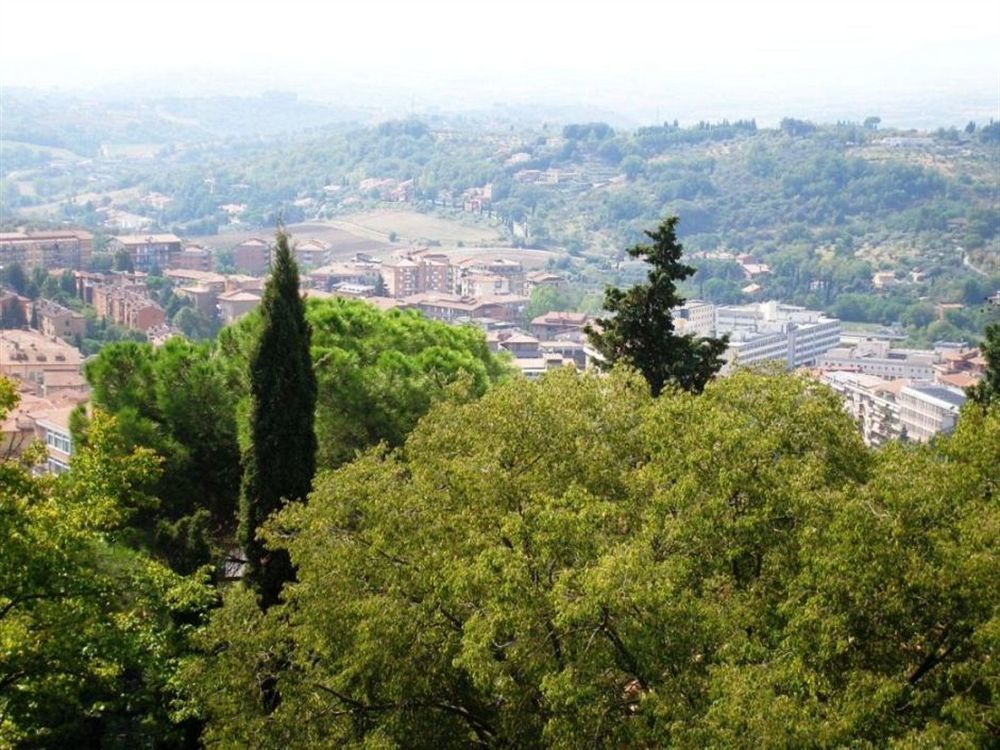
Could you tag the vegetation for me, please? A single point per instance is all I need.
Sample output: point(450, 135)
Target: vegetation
point(640, 332)
point(602, 568)
point(280, 460)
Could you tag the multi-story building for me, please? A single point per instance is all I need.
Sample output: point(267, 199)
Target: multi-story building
point(147, 251)
point(770, 331)
point(69, 249)
point(237, 303)
point(695, 317)
point(252, 256)
point(926, 410)
point(193, 257)
point(871, 401)
point(56, 320)
point(560, 325)
point(417, 272)
point(453, 307)
point(52, 428)
point(878, 358)
point(127, 307)
point(30, 356)
point(510, 271)
point(312, 253)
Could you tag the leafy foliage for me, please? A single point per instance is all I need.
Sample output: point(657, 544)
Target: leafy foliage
point(572, 563)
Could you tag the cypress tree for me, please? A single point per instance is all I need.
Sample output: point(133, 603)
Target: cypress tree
point(280, 461)
point(641, 331)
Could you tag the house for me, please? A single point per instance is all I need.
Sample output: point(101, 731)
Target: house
point(553, 325)
point(312, 253)
point(538, 279)
point(56, 320)
point(884, 279)
point(234, 305)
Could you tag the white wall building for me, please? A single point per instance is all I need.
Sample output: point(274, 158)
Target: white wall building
point(877, 358)
point(771, 331)
point(926, 410)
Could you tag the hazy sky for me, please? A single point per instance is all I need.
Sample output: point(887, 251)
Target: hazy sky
point(646, 57)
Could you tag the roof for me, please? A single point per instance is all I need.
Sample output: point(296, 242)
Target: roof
point(239, 295)
point(941, 394)
point(146, 239)
point(561, 318)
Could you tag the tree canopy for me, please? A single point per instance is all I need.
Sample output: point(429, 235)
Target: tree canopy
point(572, 563)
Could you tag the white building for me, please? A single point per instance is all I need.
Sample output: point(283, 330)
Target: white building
point(695, 317)
point(877, 358)
point(771, 331)
point(926, 410)
point(871, 401)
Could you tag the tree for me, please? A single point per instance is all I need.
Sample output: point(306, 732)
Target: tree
point(280, 461)
point(987, 390)
point(641, 333)
point(91, 629)
point(381, 290)
point(572, 563)
point(13, 275)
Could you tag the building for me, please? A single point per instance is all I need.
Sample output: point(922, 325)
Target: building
point(518, 344)
point(695, 317)
point(31, 357)
point(538, 279)
point(56, 320)
point(127, 306)
point(52, 429)
point(770, 331)
point(418, 272)
point(878, 358)
point(454, 307)
point(884, 279)
point(252, 256)
point(926, 410)
point(70, 249)
point(871, 401)
point(511, 271)
point(237, 303)
point(147, 251)
point(556, 325)
point(312, 253)
point(193, 257)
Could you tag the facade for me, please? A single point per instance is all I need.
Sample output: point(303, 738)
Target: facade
point(555, 325)
point(878, 358)
point(52, 428)
point(312, 253)
point(127, 306)
point(253, 256)
point(30, 356)
point(147, 251)
point(46, 249)
point(56, 320)
point(193, 257)
point(235, 304)
point(453, 307)
point(871, 401)
point(770, 331)
point(696, 318)
point(510, 271)
point(418, 272)
point(926, 410)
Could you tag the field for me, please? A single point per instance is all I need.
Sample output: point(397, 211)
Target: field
point(418, 227)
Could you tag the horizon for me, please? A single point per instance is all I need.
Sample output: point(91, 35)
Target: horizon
point(826, 61)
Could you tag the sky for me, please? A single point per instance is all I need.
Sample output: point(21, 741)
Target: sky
point(644, 60)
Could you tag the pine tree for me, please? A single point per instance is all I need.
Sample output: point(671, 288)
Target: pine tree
point(279, 464)
point(641, 331)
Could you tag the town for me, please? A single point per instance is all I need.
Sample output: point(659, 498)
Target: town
point(892, 392)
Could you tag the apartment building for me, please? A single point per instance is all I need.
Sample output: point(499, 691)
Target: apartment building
point(56, 320)
point(253, 256)
point(695, 317)
point(418, 272)
point(511, 272)
point(126, 306)
point(454, 307)
point(61, 249)
point(30, 357)
point(193, 257)
point(560, 325)
point(312, 253)
point(237, 303)
point(147, 251)
point(872, 401)
point(926, 410)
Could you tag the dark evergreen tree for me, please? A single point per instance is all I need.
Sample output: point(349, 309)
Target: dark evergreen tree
point(280, 461)
point(641, 330)
point(987, 390)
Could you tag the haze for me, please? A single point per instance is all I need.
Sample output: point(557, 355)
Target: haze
point(911, 62)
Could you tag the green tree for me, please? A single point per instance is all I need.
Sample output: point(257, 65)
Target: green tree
point(280, 461)
point(90, 629)
point(641, 331)
point(987, 390)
